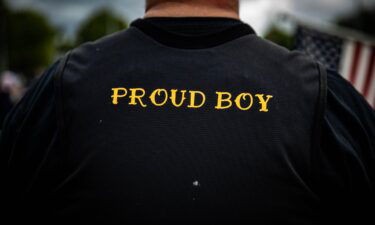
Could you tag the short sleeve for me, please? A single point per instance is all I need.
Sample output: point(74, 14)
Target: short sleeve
point(347, 156)
point(28, 138)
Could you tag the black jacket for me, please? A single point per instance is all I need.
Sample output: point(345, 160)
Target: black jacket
point(293, 145)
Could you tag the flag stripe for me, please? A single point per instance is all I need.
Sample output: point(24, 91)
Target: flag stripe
point(346, 60)
point(369, 73)
point(356, 56)
point(371, 92)
point(363, 64)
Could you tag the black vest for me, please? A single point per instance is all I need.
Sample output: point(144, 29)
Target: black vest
point(154, 134)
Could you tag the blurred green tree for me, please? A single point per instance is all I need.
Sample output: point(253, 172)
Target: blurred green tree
point(3, 39)
point(64, 46)
point(99, 24)
point(280, 37)
point(30, 42)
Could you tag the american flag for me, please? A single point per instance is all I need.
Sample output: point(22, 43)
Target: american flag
point(353, 59)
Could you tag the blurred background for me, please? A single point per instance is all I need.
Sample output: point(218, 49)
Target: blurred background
point(35, 33)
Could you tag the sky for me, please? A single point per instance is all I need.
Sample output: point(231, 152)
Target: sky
point(68, 14)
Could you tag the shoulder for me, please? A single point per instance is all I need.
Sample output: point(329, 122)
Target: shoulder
point(273, 58)
point(342, 97)
point(345, 91)
point(273, 52)
point(34, 114)
point(87, 59)
point(103, 47)
point(348, 116)
point(41, 89)
point(348, 131)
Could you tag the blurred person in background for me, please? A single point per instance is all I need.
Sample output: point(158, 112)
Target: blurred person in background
point(188, 117)
point(12, 89)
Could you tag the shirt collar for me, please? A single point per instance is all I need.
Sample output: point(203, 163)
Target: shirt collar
point(232, 30)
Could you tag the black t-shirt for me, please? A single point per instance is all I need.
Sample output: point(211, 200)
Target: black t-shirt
point(347, 153)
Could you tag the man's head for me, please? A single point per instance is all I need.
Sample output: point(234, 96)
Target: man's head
point(221, 4)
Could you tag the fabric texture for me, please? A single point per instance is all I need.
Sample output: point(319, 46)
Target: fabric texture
point(69, 154)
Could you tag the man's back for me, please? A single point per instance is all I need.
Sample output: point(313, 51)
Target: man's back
point(148, 128)
point(239, 141)
point(151, 132)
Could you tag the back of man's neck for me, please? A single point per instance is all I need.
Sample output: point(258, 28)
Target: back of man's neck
point(172, 9)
